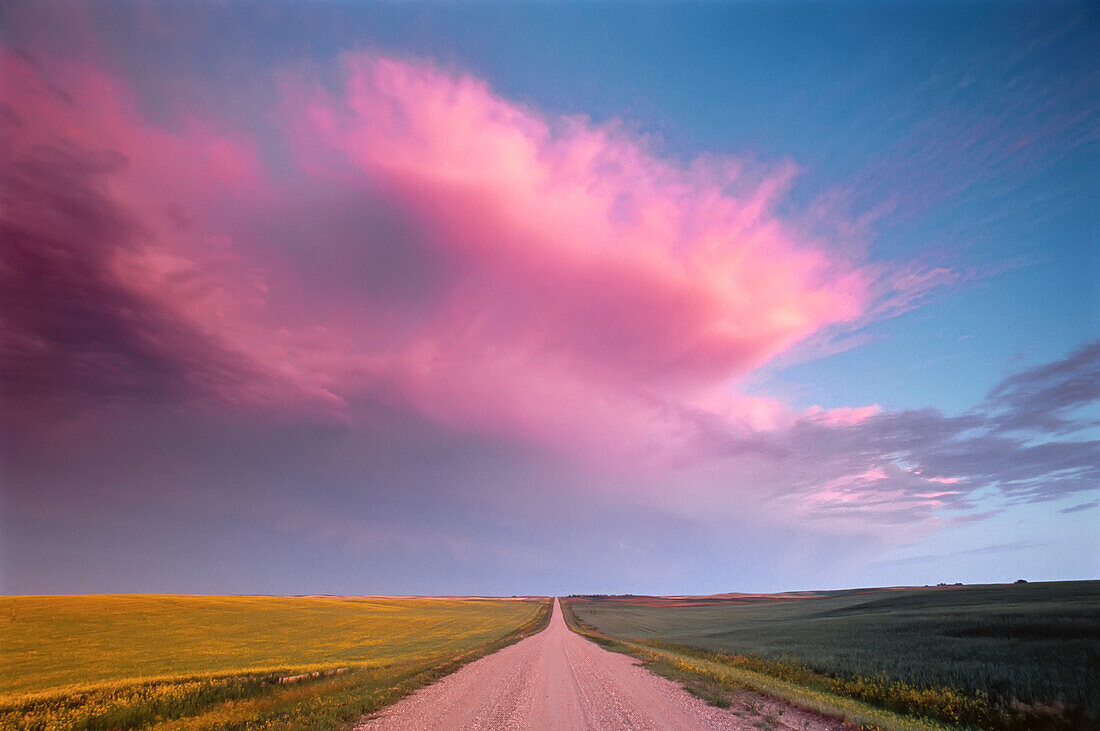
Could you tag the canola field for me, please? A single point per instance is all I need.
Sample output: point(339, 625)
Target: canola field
point(133, 661)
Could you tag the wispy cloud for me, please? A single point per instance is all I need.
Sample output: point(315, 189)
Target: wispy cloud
point(983, 551)
point(1047, 398)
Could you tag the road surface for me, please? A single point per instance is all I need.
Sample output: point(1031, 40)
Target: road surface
point(559, 680)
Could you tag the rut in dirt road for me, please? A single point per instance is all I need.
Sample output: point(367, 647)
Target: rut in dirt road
point(559, 680)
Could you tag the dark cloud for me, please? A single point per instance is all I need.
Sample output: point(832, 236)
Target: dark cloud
point(1027, 442)
point(74, 333)
point(68, 330)
point(1015, 441)
point(1046, 398)
point(1081, 507)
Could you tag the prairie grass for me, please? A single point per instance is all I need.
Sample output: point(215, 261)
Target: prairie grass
point(202, 662)
point(1006, 656)
point(717, 682)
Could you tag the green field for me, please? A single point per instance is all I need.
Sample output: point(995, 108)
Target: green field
point(1031, 647)
point(128, 661)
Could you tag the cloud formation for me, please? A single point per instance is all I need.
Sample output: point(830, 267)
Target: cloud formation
point(430, 263)
point(1048, 398)
point(592, 285)
point(551, 279)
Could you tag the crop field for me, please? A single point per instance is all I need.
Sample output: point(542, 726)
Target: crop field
point(1031, 651)
point(132, 661)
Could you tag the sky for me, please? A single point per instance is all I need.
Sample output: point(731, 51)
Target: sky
point(547, 298)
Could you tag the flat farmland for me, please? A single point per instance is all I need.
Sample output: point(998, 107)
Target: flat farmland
point(126, 661)
point(1024, 648)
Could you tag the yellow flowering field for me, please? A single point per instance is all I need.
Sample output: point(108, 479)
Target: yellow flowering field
point(129, 661)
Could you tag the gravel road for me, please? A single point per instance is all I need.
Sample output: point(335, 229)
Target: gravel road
point(559, 680)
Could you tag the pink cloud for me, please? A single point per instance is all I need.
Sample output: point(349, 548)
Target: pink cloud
point(587, 270)
point(869, 497)
point(576, 290)
point(844, 416)
point(84, 107)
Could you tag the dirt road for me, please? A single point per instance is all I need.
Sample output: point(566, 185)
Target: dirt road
point(559, 680)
